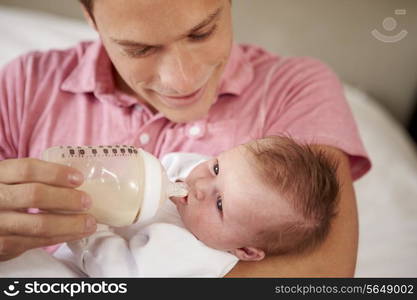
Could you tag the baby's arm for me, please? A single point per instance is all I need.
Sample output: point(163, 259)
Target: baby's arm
point(157, 250)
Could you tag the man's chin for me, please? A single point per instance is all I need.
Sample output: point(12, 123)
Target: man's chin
point(186, 114)
point(181, 115)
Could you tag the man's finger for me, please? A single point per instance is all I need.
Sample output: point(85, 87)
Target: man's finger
point(34, 170)
point(45, 225)
point(13, 246)
point(42, 196)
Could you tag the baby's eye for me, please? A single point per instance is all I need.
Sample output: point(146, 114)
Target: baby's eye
point(216, 168)
point(219, 203)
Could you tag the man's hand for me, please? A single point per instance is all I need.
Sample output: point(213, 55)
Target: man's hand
point(32, 183)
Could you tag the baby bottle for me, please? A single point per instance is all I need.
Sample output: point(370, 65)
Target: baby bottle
point(127, 185)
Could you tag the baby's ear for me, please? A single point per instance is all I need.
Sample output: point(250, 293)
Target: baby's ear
point(249, 253)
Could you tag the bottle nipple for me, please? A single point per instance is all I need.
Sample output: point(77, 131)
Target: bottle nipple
point(177, 189)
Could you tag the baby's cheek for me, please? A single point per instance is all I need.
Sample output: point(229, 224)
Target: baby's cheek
point(190, 220)
point(196, 222)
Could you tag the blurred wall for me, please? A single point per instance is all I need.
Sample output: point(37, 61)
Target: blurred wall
point(339, 33)
point(68, 8)
point(335, 31)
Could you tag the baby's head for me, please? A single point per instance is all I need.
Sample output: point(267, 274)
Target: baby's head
point(270, 196)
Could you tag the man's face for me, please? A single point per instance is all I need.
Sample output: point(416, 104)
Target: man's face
point(228, 203)
point(170, 54)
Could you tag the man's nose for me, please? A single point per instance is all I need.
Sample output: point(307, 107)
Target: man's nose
point(179, 72)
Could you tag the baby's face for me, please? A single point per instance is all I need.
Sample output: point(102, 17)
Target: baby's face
point(227, 202)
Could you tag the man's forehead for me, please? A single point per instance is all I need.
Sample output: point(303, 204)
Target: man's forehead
point(152, 23)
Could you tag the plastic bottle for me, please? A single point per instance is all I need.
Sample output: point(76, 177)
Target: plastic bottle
point(127, 185)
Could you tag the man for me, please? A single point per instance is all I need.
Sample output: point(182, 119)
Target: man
point(166, 77)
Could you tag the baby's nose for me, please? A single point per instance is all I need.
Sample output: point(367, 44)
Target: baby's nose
point(203, 189)
point(199, 195)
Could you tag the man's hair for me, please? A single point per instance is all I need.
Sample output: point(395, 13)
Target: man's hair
point(88, 4)
point(306, 178)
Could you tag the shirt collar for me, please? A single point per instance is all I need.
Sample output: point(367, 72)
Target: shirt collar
point(83, 78)
point(238, 73)
point(93, 74)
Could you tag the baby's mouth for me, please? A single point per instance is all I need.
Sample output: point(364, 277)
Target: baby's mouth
point(180, 200)
point(184, 200)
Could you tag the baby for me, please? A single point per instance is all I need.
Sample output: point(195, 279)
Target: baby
point(267, 197)
point(270, 196)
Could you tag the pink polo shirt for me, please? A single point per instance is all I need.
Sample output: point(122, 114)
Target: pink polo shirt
point(68, 97)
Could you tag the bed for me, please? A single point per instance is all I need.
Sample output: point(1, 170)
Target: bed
point(387, 196)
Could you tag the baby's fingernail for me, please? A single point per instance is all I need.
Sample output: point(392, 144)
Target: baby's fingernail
point(86, 201)
point(90, 224)
point(75, 178)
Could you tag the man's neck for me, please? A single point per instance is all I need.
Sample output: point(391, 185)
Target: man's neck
point(120, 84)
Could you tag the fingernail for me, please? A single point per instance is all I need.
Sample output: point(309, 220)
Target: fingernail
point(86, 201)
point(76, 178)
point(90, 224)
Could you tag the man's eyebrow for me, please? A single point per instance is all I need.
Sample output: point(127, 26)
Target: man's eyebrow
point(208, 20)
point(132, 44)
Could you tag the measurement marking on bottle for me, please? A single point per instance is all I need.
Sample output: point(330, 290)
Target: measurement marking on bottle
point(98, 151)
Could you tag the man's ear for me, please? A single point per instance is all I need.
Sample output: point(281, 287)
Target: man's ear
point(249, 253)
point(89, 18)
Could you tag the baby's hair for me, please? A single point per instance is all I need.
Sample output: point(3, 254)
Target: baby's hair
point(306, 178)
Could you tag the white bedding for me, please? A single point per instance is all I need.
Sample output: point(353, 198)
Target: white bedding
point(387, 196)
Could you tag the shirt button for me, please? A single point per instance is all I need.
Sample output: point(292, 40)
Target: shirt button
point(194, 131)
point(144, 138)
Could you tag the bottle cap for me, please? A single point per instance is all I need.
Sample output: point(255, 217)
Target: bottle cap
point(153, 186)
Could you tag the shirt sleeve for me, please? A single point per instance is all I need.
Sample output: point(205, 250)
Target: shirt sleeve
point(305, 101)
point(12, 90)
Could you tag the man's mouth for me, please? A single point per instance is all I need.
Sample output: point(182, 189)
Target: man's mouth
point(183, 100)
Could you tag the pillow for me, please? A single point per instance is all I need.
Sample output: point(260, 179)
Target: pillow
point(20, 32)
point(387, 195)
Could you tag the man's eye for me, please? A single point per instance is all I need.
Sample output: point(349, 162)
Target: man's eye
point(140, 52)
point(216, 168)
point(202, 36)
point(219, 203)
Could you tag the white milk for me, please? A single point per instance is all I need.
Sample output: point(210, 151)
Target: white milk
point(113, 204)
point(127, 185)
